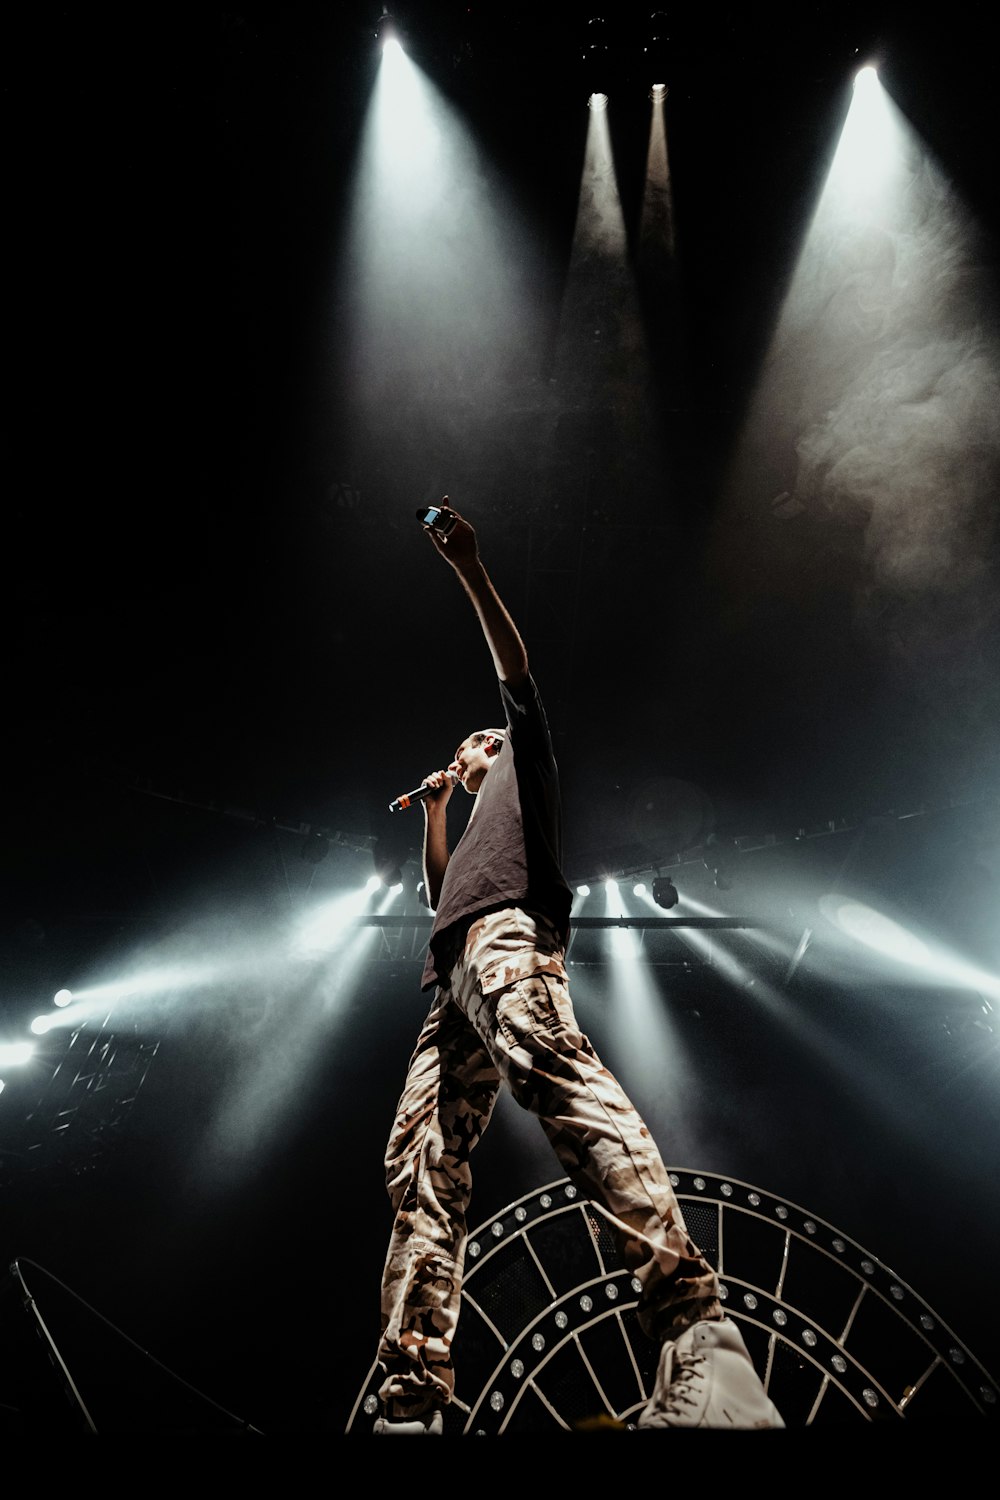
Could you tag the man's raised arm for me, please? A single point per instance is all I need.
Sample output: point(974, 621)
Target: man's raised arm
point(461, 550)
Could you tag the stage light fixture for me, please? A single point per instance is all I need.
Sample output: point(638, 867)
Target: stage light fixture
point(62, 997)
point(388, 858)
point(14, 1054)
point(639, 889)
point(716, 861)
point(583, 890)
point(386, 30)
point(315, 848)
point(656, 46)
point(665, 892)
point(596, 61)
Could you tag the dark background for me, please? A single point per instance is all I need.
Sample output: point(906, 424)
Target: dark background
point(225, 634)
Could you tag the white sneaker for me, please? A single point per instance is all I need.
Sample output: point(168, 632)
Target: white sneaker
point(431, 1423)
point(706, 1378)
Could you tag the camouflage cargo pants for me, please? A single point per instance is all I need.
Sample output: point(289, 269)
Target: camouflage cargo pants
point(506, 1016)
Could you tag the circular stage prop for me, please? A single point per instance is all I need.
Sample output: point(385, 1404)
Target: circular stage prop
point(548, 1338)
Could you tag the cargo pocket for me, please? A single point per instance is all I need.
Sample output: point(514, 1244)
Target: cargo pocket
point(528, 1019)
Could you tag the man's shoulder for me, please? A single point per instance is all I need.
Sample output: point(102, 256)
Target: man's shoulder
point(523, 692)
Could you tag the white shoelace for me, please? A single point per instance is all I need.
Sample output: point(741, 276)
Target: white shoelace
point(686, 1371)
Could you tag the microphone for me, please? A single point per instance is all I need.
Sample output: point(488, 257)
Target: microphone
point(418, 795)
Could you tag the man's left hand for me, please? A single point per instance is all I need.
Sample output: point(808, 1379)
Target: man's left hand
point(459, 547)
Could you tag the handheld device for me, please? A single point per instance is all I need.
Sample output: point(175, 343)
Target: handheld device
point(436, 516)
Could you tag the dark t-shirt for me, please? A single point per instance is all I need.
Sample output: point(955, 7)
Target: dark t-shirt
point(510, 853)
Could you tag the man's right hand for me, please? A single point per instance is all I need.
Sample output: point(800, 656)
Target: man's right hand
point(443, 786)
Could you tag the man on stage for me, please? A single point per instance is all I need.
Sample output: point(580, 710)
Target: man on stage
point(501, 1013)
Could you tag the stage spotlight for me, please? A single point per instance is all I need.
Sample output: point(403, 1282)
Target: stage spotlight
point(13, 1054)
point(655, 50)
point(665, 892)
point(386, 31)
point(583, 890)
point(658, 92)
point(611, 885)
point(877, 931)
point(595, 57)
point(388, 858)
point(639, 889)
point(62, 997)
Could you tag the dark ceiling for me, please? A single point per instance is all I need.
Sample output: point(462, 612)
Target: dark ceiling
point(225, 629)
point(214, 588)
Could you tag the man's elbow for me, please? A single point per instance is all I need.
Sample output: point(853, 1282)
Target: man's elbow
point(514, 673)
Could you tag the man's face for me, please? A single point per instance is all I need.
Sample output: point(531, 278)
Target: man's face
point(472, 762)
